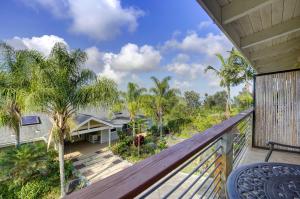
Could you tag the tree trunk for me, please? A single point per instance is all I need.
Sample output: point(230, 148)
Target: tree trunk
point(61, 167)
point(17, 133)
point(133, 130)
point(160, 124)
point(228, 108)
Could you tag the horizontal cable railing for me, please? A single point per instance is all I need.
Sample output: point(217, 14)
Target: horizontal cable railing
point(241, 139)
point(195, 168)
point(192, 175)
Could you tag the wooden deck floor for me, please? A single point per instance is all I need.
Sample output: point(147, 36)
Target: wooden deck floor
point(254, 155)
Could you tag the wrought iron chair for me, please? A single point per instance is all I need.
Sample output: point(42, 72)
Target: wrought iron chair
point(271, 148)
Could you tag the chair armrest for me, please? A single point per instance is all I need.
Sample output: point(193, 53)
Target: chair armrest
point(271, 148)
point(283, 145)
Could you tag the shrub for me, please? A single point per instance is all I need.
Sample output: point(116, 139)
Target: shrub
point(7, 190)
point(154, 131)
point(162, 144)
point(30, 172)
point(34, 190)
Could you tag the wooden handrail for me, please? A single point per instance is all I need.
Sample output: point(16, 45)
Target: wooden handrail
point(133, 180)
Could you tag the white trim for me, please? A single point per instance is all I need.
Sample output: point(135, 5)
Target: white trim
point(95, 119)
point(89, 130)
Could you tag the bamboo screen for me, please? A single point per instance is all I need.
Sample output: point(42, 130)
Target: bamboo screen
point(277, 108)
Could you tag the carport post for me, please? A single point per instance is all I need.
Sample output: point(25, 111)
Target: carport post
point(109, 137)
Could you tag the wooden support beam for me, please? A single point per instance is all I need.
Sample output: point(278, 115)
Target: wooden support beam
point(275, 69)
point(282, 59)
point(239, 8)
point(275, 50)
point(273, 32)
point(214, 10)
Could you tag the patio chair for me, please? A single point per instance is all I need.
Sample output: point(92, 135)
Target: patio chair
point(271, 148)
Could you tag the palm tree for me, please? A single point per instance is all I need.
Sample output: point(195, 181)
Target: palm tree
point(15, 77)
point(61, 87)
point(246, 70)
point(227, 74)
point(133, 102)
point(164, 98)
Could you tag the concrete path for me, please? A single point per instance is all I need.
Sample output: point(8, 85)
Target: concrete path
point(99, 164)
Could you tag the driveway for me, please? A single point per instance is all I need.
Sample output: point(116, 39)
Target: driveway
point(98, 164)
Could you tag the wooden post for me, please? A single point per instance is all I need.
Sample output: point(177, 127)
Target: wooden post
point(227, 156)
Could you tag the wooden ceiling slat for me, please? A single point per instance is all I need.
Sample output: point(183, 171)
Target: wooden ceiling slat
point(288, 9)
point(277, 31)
point(277, 10)
point(246, 25)
point(268, 24)
point(297, 9)
point(266, 16)
point(256, 21)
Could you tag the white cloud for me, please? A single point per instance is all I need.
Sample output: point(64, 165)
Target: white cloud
point(56, 7)
point(208, 45)
point(181, 58)
point(204, 24)
point(181, 85)
point(98, 19)
point(130, 60)
point(108, 72)
point(189, 71)
point(134, 58)
point(43, 44)
point(95, 59)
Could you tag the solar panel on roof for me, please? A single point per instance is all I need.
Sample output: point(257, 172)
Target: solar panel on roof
point(30, 120)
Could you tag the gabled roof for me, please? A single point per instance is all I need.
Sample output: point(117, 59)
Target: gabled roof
point(82, 119)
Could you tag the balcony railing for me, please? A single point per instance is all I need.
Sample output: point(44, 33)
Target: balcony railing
point(198, 166)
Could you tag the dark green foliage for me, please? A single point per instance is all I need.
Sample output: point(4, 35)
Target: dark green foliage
point(34, 189)
point(217, 100)
point(243, 100)
point(162, 144)
point(192, 99)
point(154, 131)
point(150, 146)
point(30, 171)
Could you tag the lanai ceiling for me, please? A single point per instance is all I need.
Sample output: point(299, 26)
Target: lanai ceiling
point(266, 31)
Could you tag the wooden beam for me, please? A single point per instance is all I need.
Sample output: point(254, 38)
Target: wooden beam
point(273, 32)
point(214, 10)
point(283, 64)
point(239, 8)
point(275, 69)
point(279, 59)
point(292, 55)
point(277, 49)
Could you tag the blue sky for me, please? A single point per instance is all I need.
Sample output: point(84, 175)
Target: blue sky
point(126, 40)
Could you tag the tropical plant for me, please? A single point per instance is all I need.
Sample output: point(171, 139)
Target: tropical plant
point(15, 77)
point(133, 103)
point(164, 99)
point(217, 100)
point(243, 100)
point(192, 99)
point(231, 73)
point(23, 163)
point(61, 87)
point(246, 70)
